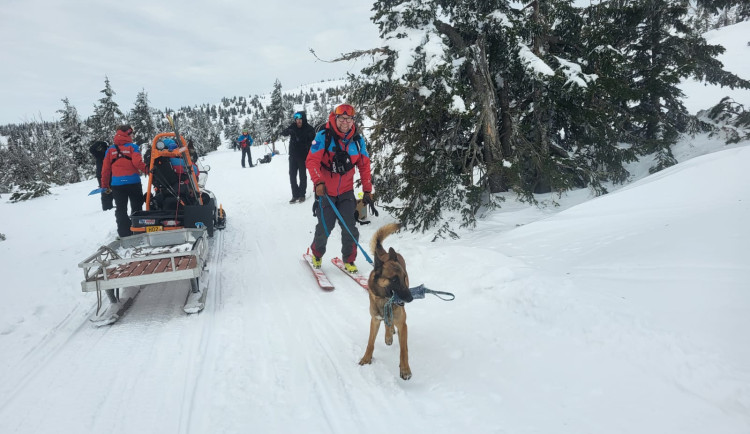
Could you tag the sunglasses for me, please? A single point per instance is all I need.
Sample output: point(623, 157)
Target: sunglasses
point(344, 118)
point(344, 109)
point(298, 116)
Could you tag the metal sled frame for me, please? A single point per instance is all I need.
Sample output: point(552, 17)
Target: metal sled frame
point(105, 269)
point(181, 152)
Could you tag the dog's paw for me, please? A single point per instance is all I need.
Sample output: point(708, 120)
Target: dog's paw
point(365, 361)
point(406, 374)
point(389, 335)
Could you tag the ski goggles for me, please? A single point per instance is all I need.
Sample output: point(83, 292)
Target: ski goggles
point(344, 109)
point(298, 116)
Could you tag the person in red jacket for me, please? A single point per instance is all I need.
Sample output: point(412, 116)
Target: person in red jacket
point(337, 149)
point(121, 174)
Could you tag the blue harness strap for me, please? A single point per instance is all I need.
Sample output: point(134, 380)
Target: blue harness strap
point(341, 219)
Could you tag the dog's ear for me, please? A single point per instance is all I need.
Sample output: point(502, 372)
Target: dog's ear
point(378, 263)
point(392, 255)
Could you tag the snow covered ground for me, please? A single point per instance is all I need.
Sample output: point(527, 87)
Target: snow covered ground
point(626, 313)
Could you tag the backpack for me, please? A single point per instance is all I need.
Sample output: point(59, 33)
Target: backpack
point(164, 174)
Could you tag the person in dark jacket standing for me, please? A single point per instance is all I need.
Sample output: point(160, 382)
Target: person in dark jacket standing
point(99, 149)
point(121, 174)
point(245, 141)
point(301, 135)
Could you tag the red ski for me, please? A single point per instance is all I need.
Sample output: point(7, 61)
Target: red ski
point(320, 276)
point(362, 280)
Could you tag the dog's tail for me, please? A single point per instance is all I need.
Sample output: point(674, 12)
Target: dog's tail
point(381, 234)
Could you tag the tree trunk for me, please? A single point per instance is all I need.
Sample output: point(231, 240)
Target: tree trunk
point(542, 144)
point(486, 98)
point(489, 123)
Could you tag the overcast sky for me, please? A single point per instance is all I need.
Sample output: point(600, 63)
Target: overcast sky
point(182, 53)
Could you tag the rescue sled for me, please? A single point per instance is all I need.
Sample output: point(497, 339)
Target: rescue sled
point(172, 237)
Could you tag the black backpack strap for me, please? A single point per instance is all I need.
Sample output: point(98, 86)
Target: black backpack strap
point(120, 155)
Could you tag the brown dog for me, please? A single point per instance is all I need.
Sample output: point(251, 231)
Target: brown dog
point(387, 278)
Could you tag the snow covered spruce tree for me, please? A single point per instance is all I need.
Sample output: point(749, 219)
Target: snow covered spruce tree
point(561, 138)
point(141, 118)
point(421, 141)
point(203, 132)
point(107, 115)
point(473, 97)
point(658, 49)
point(35, 156)
point(476, 96)
point(77, 165)
point(276, 114)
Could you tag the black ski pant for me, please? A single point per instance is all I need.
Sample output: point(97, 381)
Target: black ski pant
point(122, 194)
point(345, 203)
point(246, 151)
point(297, 170)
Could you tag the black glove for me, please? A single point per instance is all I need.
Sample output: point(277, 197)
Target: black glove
point(367, 200)
point(315, 208)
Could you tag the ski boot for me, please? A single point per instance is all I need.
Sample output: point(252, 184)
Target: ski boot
point(317, 262)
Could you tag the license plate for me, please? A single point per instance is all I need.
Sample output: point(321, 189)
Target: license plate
point(154, 228)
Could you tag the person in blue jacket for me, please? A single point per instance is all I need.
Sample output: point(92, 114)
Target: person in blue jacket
point(245, 141)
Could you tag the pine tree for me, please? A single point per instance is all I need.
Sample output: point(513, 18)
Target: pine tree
point(277, 114)
point(35, 161)
point(661, 50)
point(232, 130)
point(141, 118)
point(107, 115)
point(424, 136)
point(74, 145)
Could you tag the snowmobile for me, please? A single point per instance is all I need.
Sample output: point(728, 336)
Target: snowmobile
point(172, 238)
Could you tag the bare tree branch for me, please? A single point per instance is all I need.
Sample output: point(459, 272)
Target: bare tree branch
point(354, 54)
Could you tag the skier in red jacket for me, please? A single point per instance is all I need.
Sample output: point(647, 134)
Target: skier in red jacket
point(124, 165)
point(336, 151)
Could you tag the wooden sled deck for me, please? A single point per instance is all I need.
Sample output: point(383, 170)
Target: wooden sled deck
point(145, 259)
